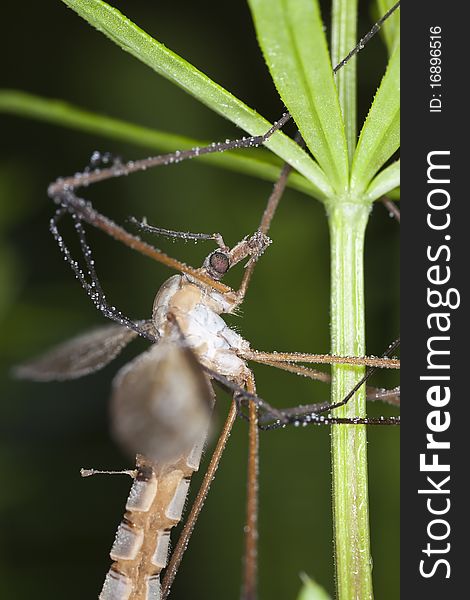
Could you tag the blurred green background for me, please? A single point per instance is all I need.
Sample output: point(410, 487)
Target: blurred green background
point(56, 528)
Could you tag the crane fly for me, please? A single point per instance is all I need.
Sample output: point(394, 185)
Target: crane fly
point(162, 400)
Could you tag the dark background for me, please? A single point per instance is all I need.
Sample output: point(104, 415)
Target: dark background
point(57, 528)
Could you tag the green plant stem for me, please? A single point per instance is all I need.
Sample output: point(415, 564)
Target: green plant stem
point(347, 223)
point(343, 38)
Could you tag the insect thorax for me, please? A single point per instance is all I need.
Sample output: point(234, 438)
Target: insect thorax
point(197, 308)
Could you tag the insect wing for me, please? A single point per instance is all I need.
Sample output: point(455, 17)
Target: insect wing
point(161, 402)
point(79, 356)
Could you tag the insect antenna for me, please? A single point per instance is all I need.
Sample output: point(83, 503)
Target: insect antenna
point(183, 235)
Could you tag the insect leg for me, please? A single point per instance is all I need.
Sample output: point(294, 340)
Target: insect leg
point(299, 370)
point(392, 208)
point(311, 413)
point(251, 527)
point(244, 398)
point(299, 419)
point(327, 359)
point(85, 212)
point(367, 375)
point(369, 35)
point(389, 396)
point(90, 281)
point(274, 418)
point(89, 177)
point(372, 393)
point(268, 215)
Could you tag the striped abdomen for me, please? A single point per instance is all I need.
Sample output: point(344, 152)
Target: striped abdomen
point(154, 506)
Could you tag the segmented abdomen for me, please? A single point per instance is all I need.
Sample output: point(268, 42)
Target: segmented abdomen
point(154, 506)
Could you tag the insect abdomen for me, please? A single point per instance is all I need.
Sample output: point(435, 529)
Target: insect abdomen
point(140, 549)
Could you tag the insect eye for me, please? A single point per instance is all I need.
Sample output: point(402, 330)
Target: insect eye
point(219, 262)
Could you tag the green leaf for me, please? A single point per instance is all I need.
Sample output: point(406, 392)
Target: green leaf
point(158, 57)
point(311, 590)
point(380, 135)
point(386, 181)
point(290, 33)
point(391, 28)
point(395, 194)
point(259, 163)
